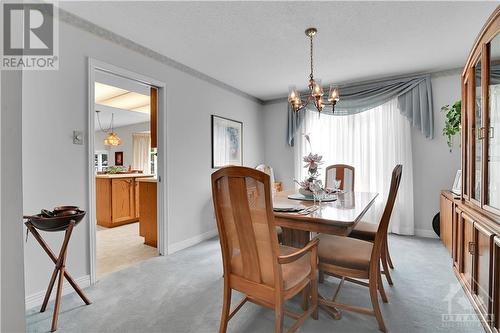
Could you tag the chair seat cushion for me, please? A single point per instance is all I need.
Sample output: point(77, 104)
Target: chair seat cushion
point(295, 272)
point(365, 231)
point(344, 252)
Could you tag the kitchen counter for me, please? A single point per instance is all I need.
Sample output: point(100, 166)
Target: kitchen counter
point(117, 198)
point(148, 180)
point(123, 175)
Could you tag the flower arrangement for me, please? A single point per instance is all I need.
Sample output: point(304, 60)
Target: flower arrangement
point(312, 163)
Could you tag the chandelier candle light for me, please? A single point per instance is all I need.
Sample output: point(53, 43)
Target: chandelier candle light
point(315, 95)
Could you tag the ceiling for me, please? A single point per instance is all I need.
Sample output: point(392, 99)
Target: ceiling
point(260, 47)
point(128, 107)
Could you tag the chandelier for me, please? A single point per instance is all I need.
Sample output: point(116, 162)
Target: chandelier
point(316, 94)
point(112, 139)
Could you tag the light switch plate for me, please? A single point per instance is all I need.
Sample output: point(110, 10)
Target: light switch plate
point(77, 137)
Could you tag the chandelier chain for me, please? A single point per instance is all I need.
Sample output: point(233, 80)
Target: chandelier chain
point(110, 128)
point(312, 68)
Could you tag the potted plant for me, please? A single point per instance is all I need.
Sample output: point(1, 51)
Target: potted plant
point(453, 121)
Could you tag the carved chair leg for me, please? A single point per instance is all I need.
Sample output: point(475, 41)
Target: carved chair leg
point(321, 276)
point(337, 291)
point(389, 260)
point(374, 299)
point(278, 318)
point(381, 288)
point(305, 298)
point(225, 308)
point(384, 264)
point(314, 297)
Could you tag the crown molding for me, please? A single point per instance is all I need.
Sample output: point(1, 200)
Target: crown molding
point(113, 37)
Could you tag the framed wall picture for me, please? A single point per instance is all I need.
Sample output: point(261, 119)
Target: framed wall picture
point(227, 142)
point(118, 158)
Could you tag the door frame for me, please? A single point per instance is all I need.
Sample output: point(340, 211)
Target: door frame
point(162, 200)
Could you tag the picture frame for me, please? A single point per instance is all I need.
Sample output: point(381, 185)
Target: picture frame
point(457, 183)
point(119, 158)
point(227, 142)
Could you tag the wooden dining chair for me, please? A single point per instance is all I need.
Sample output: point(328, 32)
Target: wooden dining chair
point(352, 259)
point(342, 172)
point(254, 263)
point(269, 170)
point(367, 231)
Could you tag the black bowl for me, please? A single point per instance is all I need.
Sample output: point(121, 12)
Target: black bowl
point(63, 208)
point(56, 223)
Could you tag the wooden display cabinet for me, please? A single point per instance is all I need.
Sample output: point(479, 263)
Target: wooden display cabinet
point(474, 218)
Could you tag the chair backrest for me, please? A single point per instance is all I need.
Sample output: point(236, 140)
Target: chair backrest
point(342, 172)
point(269, 170)
point(381, 235)
point(245, 220)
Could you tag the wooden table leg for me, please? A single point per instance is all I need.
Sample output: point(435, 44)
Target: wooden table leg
point(54, 259)
point(332, 311)
point(295, 238)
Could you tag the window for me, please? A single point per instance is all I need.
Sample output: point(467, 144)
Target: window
point(373, 142)
point(100, 161)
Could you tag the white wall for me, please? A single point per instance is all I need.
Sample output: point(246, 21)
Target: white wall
point(277, 152)
point(125, 133)
point(12, 272)
point(55, 170)
point(434, 167)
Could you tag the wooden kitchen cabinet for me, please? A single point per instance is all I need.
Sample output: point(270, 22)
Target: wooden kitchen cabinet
point(122, 200)
point(136, 191)
point(148, 202)
point(117, 199)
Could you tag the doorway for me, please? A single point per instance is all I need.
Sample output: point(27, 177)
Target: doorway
point(126, 155)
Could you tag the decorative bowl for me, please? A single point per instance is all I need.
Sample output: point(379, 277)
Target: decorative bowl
point(63, 208)
point(306, 193)
point(56, 223)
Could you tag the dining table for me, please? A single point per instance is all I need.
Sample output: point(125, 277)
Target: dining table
point(337, 217)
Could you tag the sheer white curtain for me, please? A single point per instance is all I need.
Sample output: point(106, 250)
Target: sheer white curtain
point(142, 152)
point(373, 142)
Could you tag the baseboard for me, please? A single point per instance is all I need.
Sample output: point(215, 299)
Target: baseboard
point(191, 241)
point(425, 233)
point(36, 299)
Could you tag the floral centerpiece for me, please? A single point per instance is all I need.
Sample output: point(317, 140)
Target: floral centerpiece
point(312, 163)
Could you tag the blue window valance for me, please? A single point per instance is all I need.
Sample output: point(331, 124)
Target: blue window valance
point(414, 94)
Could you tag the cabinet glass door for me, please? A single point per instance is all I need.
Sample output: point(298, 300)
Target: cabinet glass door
point(476, 130)
point(493, 136)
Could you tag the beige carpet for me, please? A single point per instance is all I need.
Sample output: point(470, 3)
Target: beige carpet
point(120, 247)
